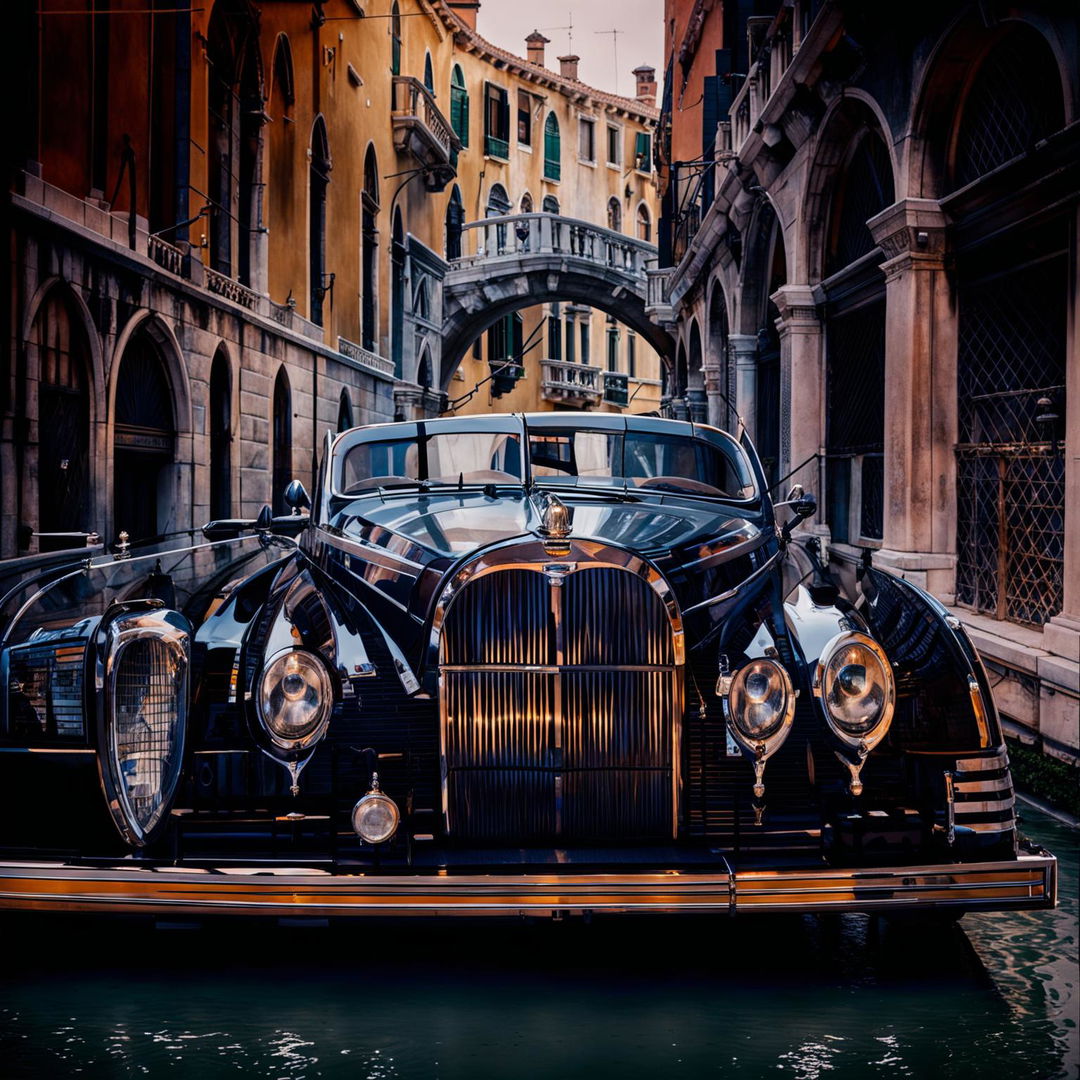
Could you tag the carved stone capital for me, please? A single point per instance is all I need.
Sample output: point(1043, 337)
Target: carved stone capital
point(911, 230)
point(798, 309)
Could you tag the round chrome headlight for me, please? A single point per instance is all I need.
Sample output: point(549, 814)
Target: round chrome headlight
point(294, 700)
point(760, 700)
point(856, 686)
point(375, 817)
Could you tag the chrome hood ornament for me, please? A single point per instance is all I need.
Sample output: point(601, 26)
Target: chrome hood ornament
point(556, 523)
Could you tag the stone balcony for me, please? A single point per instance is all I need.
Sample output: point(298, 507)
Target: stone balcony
point(422, 132)
point(571, 384)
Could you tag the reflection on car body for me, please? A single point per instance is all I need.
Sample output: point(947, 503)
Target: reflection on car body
point(510, 664)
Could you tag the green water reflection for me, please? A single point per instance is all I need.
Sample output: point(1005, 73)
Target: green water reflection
point(799, 998)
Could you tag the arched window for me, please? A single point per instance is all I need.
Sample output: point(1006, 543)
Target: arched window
point(550, 205)
point(718, 350)
point(1014, 102)
point(144, 436)
point(552, 151)
point(423, 371)
point(865, 188)
point(344, 412)
point(283, 88)
point(459, 105)
point(220, 410)
point(63, 471)
point(526, 203)
point(319, 177)
point(281, 449)
point(369, 205)
point(235, 138)
point(429, 77)
point(422, 299)
point(455, 220)
point(614, 215)
point(644, 224)
point(696, 401)
point(498, 205)
point(397, 293)
point(855, 344)
point(395, 39)
point(1013, 283)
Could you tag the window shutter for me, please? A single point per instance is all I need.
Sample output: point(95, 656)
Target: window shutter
point(463, 134)
point(504, 115)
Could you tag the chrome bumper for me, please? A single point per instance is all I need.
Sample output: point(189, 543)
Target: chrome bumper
point(1028, 882)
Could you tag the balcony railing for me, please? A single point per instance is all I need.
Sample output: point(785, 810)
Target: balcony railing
point(224, 286)
point(165, 255)
point(658, 295)
point(616, 389)
point(365, 357)
point(504, 376)
point(496, 147)
point(422, 131)
point(573, 384)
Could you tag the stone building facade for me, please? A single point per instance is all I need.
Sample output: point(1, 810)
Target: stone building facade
point(873, 261)
point(229, 229)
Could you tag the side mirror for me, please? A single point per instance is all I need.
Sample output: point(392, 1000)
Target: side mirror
point(802, 506)
point(296, 496)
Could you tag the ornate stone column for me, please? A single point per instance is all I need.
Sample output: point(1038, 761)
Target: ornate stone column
point(742, 351)
point(802, 386)
point(920, 397)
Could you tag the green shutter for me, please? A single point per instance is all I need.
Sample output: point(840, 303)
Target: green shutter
point(643, 152)
point(459, 106)
point(552, 152)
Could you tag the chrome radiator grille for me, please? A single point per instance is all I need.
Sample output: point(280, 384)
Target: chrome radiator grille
point(561, 706)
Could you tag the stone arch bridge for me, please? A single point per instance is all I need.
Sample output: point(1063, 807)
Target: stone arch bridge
point(524, 260)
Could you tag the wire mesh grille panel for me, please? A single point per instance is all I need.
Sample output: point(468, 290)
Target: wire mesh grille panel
point(560, 708)
point(867, 189)
point(1014, 102)
point(146, 717)
point(855, 421)
point(1010, 468)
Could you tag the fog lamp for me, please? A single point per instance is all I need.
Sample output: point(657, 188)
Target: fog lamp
point(375, 817)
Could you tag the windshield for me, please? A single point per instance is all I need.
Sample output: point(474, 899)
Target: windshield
point(641, 459)
point(449, 458)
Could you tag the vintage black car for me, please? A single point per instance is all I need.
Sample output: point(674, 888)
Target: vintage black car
point(520, 664)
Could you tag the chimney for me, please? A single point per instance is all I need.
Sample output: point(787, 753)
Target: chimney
point(534, 46)
point(646, 85)
point(568, 66)
point(465, 10)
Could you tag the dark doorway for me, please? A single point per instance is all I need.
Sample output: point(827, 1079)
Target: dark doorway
point(220, 406)
point(281, 466)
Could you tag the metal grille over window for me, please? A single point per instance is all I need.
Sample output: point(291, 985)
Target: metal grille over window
point(1010, 464)
point(1013, 104)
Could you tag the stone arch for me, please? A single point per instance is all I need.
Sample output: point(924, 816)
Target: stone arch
point(471, 306)
point(149, 431)
point(956, 62)
point(852, 119)
point(717, 362)
point(284, 84)
point(643, 223)
point(526, 203)
point(695, 376)
point(614, 214)
point(550, 205)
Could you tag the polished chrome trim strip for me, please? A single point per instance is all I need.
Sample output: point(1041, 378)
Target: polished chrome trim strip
point(984, 806)
point(46, 750)
point(1027, 882)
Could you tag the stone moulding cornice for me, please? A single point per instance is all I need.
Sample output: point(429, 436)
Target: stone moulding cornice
point(797, 307)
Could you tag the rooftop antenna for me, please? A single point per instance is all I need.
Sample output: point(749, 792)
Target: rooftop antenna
point(615, 50)
point(569, 33)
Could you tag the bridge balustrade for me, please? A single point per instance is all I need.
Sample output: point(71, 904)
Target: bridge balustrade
point(517, 235)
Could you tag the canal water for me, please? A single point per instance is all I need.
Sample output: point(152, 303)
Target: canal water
point(801, 998)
